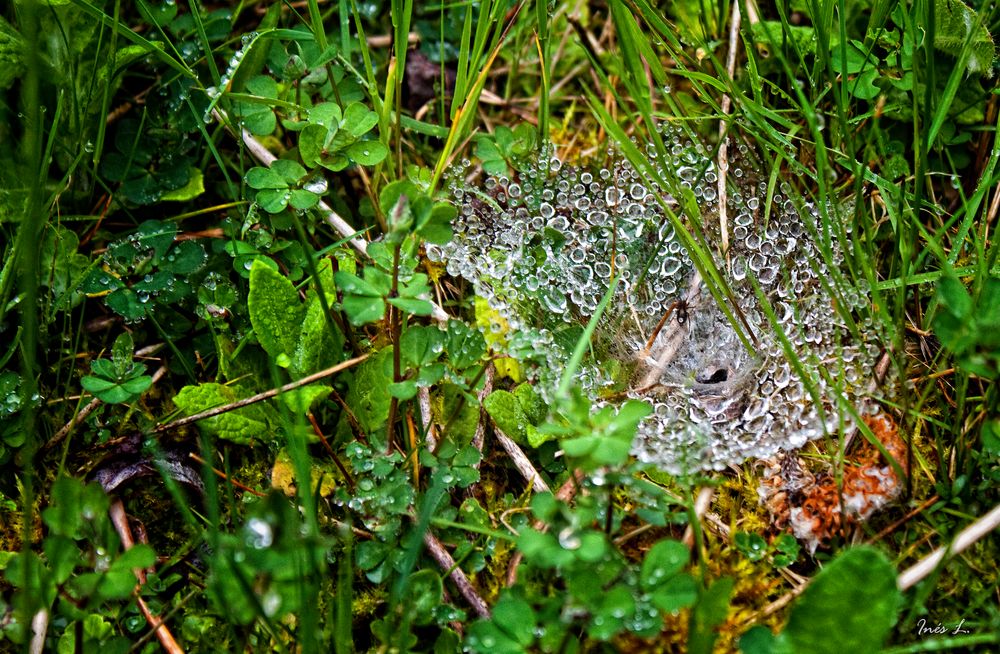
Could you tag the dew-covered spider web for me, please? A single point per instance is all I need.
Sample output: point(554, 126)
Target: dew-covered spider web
point(543, 245)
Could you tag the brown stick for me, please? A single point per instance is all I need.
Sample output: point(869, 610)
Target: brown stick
point(521, 462)
point(734, 33)
point(978, 529)
point(120, 521)
point(447, 563)
point(564, 494)
point(224, 476)
point(260, 397)
point(479, 438)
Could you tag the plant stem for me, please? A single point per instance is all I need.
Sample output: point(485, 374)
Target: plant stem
point(396, 328)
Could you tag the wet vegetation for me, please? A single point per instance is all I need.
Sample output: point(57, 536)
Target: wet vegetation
point(499, 326)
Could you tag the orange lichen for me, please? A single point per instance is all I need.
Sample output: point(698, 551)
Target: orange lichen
point(815, 507)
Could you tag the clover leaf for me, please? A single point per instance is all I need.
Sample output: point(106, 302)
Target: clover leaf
point(119, 380)
point(257, 114)
point(333, 137)
point(281, 185)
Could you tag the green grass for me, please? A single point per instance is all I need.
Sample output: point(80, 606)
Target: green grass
point(375, 510)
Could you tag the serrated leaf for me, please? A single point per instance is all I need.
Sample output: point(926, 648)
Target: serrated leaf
point(239, 426)
point(319, 345)
point(955, 22)
point(275, 310)
point(368, 394)
point(507, 413)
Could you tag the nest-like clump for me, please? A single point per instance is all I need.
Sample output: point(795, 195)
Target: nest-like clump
point(791, 362)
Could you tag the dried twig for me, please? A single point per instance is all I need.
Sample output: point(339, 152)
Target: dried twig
point(701, 504)
point(39, 627)
point(260, 397)
point(521, 462)
point(734, 33)
point(426, 417)
point(564, 494)
point(120, 522)
point(915, 573)
point(447, 563)
point(220, 474)
point(480, 436)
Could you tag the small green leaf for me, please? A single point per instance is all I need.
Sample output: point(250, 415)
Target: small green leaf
point(354, 285)
point(290, 171)
point(302, 199)
point(63, 556)
point(515, 617)
point(368, 394)
point(359, 119)
point(301, 400)
point(264, 178)
point(195, 186)
point(676, 593)
point(421, 345)
point(363, 309)
point(319, 345)
point(855, 597)
point(312, 143)
point(273, 200)
point(415, 307)
point(507, 413)
point(327, 114)
point(663, 561)
point(367, 153)
point(137, 556)
point(275, 310)
point(185, 258)
point(405, 390)
point(393, 191)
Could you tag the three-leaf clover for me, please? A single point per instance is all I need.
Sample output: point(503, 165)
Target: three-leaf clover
point(504, 147)
point(120, 379)
point(282, 185)
point(333, 137)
